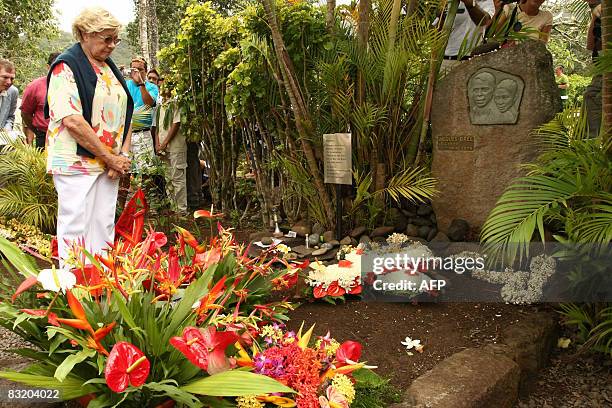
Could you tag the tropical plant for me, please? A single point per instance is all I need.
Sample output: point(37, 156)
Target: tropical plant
point(138, 301)
point(593, 323)
point(27, 192)
point(567, 188)
point(275, 78)
point(569, 184)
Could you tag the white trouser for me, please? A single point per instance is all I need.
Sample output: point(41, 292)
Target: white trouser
point(142, 150)
point(86, 209)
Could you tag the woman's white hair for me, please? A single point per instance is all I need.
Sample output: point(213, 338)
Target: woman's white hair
point(94, 20)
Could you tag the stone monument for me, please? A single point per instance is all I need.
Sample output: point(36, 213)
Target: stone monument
point(484, 111)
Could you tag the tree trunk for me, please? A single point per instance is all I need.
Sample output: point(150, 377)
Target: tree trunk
point(152, 24)
point(143, 17)
point(606, 91)
point(330, 17)
point(434, 68)
point(300, 110)
point(363, 31)
point(395, 13)
point(412, 5)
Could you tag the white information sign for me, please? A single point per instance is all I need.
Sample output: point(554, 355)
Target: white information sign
point(337, 158)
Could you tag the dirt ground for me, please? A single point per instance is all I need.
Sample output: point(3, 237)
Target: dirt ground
point(443, 328)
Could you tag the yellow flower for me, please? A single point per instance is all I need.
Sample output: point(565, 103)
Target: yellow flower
point(249, 401)
point(344, 385)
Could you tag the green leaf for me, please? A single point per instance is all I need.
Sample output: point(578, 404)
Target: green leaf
point(125, 313)
point(194, 292)
point(17, 258)
point(66, 367)
point(234, 383)
point(169, 389)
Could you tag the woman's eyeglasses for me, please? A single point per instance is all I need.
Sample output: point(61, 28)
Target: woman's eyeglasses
point(108, 40)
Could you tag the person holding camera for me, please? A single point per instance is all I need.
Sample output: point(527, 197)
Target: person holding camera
point(526, 16)
point(145, 95)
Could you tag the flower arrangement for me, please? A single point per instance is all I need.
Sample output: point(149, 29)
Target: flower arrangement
point(336, 280)
point(320, 373)
point(142, 324)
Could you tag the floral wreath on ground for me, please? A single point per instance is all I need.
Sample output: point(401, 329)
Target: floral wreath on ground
point(337, 280)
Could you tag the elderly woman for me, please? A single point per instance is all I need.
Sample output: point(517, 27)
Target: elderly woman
point(88, 138)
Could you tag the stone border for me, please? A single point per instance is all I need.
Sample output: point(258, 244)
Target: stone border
point(490, 376)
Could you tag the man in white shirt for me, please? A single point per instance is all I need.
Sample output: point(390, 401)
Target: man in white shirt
point(8, 95)
point(473, 16)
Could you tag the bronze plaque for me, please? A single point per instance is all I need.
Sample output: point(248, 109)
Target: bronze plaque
point(460, 143)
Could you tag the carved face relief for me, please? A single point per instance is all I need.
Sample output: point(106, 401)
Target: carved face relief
point(482, 88)
point(494, 97)
point(505, 94)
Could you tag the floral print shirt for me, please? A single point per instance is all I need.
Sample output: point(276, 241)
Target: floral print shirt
point(107, 119)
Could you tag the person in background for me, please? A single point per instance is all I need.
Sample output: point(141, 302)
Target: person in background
point(171, 146)
point(144, 94)
point(473, 16)
point(563, 84)
point(153, 77)
point(32, 108)
point(88, 139)
point(526, 14)
point(592, 93)
point(8, 95)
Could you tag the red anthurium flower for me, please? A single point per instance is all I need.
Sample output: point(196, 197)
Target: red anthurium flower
point(25, 285)
point(349, 352)
point(205, 348)
point(335, 290)
point(126, 365)
point(319, 292)
point(206, 214)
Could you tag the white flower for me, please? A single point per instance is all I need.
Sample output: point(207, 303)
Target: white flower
point(56, 279)
point(283, 248)
point(410, 344)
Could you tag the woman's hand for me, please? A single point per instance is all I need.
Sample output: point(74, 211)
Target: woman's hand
point(113, 174)
point(120, 164)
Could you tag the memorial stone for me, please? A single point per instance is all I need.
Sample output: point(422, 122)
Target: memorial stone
point(484, 112)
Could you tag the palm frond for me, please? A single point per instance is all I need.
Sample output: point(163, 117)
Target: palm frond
point(521, 209)
point(412, 184)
